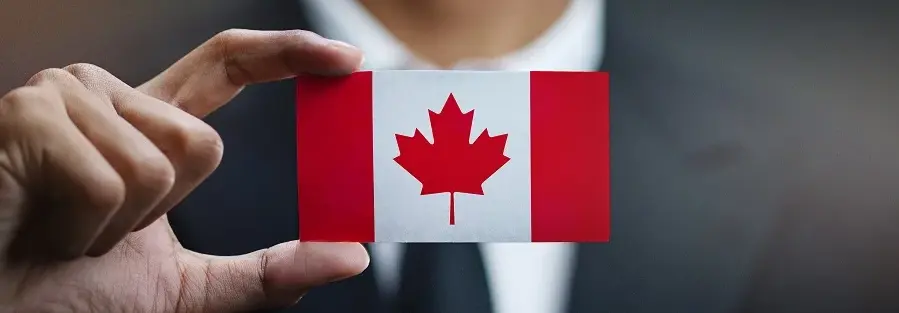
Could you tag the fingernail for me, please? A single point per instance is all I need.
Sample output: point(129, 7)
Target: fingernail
point(346, 50)
point(337, 261)
point(361, 64)
point(341, 45)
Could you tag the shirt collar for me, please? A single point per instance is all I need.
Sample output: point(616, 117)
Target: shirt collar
point(574, 42)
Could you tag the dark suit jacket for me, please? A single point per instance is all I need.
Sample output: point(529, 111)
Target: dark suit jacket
point(755, 159)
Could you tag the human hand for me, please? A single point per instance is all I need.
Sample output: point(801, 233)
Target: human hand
point(89, 166)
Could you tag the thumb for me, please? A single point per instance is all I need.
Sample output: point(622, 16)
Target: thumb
point(273, 278)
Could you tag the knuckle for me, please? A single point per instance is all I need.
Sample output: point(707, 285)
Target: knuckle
point(154, 174)
point(97, 80)
point(22, 100)
point(223, 39)
point(300, 33)
point(200, 145)
point(26, 95)
point(50, 74)
point(108, 193)
point(230, 34)
point(84, 70)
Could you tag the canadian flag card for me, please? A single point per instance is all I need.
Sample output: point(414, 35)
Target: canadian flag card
point(453, 156)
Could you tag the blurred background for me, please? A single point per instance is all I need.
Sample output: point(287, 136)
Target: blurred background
point(755, 143)
point(116, 34)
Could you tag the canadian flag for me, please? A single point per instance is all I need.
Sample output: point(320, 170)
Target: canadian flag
point(453, 156)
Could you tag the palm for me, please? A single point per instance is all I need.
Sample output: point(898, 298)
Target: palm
point(147, 272)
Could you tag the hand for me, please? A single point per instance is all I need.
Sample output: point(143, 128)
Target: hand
point(89, 166)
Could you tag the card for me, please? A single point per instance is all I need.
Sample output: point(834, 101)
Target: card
point(453, 156)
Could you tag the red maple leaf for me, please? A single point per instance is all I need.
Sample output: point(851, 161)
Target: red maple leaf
point(451, 164)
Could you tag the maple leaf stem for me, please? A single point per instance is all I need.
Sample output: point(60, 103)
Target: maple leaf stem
point(452, 208)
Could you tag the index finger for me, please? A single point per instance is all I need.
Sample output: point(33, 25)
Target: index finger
point(213, 73)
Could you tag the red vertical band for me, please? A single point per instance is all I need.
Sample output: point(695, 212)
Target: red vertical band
point(335, 171)
point(569, 157)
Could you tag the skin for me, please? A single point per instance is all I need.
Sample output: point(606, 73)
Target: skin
point(89, 166)
point(446, 31)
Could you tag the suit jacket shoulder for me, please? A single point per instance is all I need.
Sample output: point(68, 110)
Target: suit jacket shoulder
point(752, 161)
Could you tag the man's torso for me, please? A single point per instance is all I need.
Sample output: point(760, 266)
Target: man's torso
point(741, 179)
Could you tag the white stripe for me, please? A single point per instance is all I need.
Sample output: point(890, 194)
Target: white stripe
point(501, 101)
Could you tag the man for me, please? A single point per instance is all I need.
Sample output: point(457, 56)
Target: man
point(730, 185)
point(472, 35)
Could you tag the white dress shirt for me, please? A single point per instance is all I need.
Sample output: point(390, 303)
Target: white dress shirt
point(522, 277)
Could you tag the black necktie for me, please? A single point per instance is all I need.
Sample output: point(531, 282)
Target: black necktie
point(443, 278)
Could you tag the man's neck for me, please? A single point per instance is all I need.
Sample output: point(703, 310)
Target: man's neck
point(444, 32)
